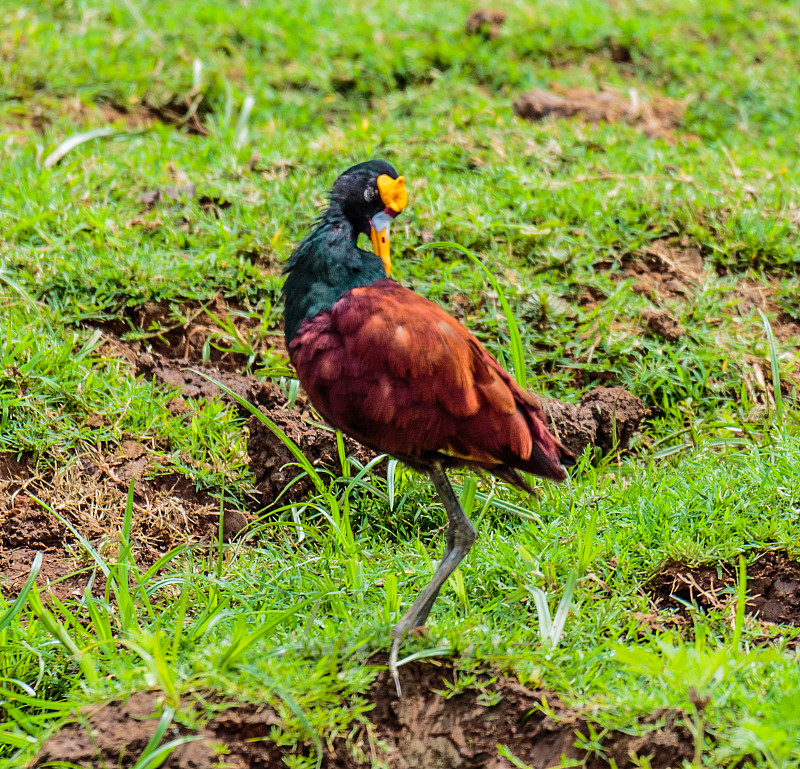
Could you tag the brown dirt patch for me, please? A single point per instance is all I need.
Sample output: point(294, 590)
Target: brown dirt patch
point(751, 295)
point(26, 529)
point(671, 269)
point(773, 588)
point(91, 494)
point(271, 462)
point(187, 112)
point(172, 194)
point(134, 119)
point(486, 23)
point(194, 334)
point(663, 323)
point(117, 734)
point(602, 415)
point(423, 729)
point(618, 414)
point(656, 117)
point(274, 465)
point(666, 270)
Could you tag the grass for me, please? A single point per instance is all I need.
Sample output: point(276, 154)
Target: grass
point(240, 116)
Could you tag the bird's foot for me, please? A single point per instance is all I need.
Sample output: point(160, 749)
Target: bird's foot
point(393, 664)
point(399, 631)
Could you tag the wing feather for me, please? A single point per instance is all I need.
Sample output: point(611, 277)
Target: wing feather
point(395, 371)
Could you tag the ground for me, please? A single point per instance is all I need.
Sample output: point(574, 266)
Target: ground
point(195, 571)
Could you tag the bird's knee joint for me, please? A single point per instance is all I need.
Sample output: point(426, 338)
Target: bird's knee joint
point(465, 537)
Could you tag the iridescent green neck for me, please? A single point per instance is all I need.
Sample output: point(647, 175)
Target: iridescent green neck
point(325, 266)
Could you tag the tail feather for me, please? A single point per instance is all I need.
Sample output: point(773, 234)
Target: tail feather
point(549, 456)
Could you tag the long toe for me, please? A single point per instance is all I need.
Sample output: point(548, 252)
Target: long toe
point(393, 662)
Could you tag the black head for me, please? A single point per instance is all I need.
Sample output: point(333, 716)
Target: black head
point(366, 189)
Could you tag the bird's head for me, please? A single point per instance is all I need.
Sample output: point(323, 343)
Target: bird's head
point(370, 195)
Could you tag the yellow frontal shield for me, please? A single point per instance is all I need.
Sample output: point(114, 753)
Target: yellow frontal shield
point(393, 192)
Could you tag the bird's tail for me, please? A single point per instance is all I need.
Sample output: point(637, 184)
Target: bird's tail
point(548, 456)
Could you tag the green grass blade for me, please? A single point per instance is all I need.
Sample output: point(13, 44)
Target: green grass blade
point(562, 611)
point(60, 633)
point(148, 757)
point(19, 601)
point(543, 612)
point(776, 373)
point(243, 643)
point(741, 603)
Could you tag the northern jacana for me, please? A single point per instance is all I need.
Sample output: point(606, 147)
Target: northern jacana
point(397, 373)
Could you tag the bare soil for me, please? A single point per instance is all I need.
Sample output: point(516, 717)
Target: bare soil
point(657, 117)
point(485, 22)
point(271, 462)
point(91, 494)
point(664, 324)
point(177, 338)
point(666, 270)
point(670, 272)
point(422, 729)
point(773, 588)
point(191, 334)
point(752, 295)
point(186, 112)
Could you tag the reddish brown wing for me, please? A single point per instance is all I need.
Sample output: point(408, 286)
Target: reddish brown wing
point(396, 372)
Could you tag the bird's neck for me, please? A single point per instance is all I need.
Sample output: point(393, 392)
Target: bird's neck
point(325, 266)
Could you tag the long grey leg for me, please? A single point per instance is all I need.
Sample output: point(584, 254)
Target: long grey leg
point(460, 538)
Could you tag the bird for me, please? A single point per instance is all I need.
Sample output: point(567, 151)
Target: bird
point(397, 373)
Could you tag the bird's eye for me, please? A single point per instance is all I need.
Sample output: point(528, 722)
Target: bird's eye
point(370, 193)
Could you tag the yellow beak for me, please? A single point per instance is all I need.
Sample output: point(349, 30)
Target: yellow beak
point(379, 235)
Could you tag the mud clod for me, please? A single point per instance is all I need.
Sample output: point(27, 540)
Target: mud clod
point(274, 466)
point(657, 117)
point(425, 729)
point(575, 427)
point(601, 416)
point(663, 323)
point(486, 23)
point(618, 414)
point(117, 734)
